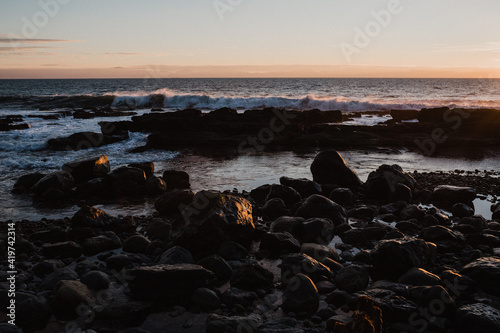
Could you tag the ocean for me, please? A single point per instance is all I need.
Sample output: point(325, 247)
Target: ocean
point(23, 151)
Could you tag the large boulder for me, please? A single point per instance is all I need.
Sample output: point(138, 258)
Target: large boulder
point(173, 202)
point(485, 272)
point(320, 206)
point(285, 193)
point(96, 218)
point(212, 219)
point(176, 179)
point(394, 257)
point(449, 195)
point(352, 278)
point(305, 187)
point(300, 295)
point(59, 180)
point(302, 263)
point(85, 140)
point(26, 182)
point(88, 168)
point(477, 317)
point(330, 168)
point(127, 181)
point(69, 295)
point(171, 284)
point(384, 184)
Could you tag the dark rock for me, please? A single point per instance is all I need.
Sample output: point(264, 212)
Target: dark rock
point(448, 195)
point(44, 268)
point(260, 193)
point(302, 263)
point(220, 218)
point(381, 184)
point(252, 276)
point(69, 295)
point(477, 317)
point(285, 193)
point(392, 258)
point(278, 243)
point(218, 266)
point(274, 209)
point(234, 296)
point(300, 295)
point(85, 140)
point(173, 202)
point(445, 239)
point(118, 262)
point(105, 242)
point(232, 251)
point(168, 283)
point(53, 195)
point(221, 324)
point(319, 252)
point(176, 179)
point(32, 311)
point(330, 168)
point(363, 236)
point(206, 299)
point(147, 167)
point(62, 250)
point(363, 212)
point(419, 277)
point(352, 278)
point(59, 180)
point(26, 182)
point(304, 187)
point(293, 225)
point(317, 230)
point(96, 280)
point(127, 181)
point(393, 208)
point(320, 206)
point(411, 212)
point(158, 229)
point(136, 244)
point(285, 325)
point(478, 222)
point(155, 186)
point(342, 196)
point(176, 255)
point(408, 227)
point(399, 115)
point(425, 295)
point(53, 278)
point(89, 217)
point(403, 192)
point(462, 210)
point(486, 274)
point(89, 168)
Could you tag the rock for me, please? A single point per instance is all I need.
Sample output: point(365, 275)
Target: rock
point(26, 182)
point(433, 115)
point(392, 258)
point(330, 168)
point(89, 217)
point(363, 212)
point(176, 179)
point(118, 262)
point(403, 193)
point(59, 180)
point(317, 230)
point(234, 297)
point(85, 140)
point(419, 277)
point(221, 324)
point(363, 236)
point(411, 212)
point(53, 278)
point(300, 295)
point(381, 184)
point(477, 317)
point(173, 202)
point(220, 218)
point(274, 209)
point(31, 311)
point(408, 227)
point(462, 210)
point(155, 186)
point(171, 284)
point(352, 278)
point(62, 250)
point(304, 187)
point(232, 251)
point(96, 280)
point(285, 325)
point(399, 115)
point(89, 168)
point(44, 268)
point(486, 274)
point(302, 263)
point(206, 299)
point(278, 243)
point(136, 244)
point(176, 255)
point(448, 195)
point(158, 229)
point(53, 195)
point(260, 193)
point(342, 196)
point(252, 276)
point(319, 252)
point(106, 242)
point(366, 319)
point(127, 181)
point(218, 266)
point(320, 206)
point(69, 295)
point(478, 222)
point(6, 327)
point(292, 225)
point(425, 295)
point(285, 193)
point(147, 167)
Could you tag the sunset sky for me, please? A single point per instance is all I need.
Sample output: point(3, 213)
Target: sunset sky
point(249, 38)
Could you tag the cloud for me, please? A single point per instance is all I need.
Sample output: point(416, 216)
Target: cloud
point(124, 54)
point(484, 47)
point(21, 49)
point(16, 39)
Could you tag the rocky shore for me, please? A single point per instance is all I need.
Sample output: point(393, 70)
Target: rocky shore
point(401, 252)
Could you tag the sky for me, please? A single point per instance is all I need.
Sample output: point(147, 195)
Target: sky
point(249, 38)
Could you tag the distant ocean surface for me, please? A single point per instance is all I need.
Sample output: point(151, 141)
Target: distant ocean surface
point(23, 151)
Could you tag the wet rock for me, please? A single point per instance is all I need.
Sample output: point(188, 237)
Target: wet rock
point(136, 244)
point(462, 210)
point(486, 274)
point(155, 186)
point(89, 168)
point(478, 222)
point(171, 284)
point(477, 317)
point(319, 252)
point(292, 225)
point(448, 195)
point(26, 182)
point(381, 184)
point(363, 212)
point(317, 230)
point(105, 242)
point(363, 236)
point(85, 140)
point(329, 167)
point(392, 258)
point(90, 217)
point(158, 229)
point(301, 295)
point(278, 243)
point(147, 167)
point(222, 218)
point(411, 212)
point(304, 187)
point(260, 193)
point(69, 295)
point(218, 266)
point(176, 255)
point(96, 280)
point(59, 180)
point(252, 276)
point(302, 263)
point(221, 324)
point(127, 181)
point(173, 202)
point(419, 277)
point(285, 193)
point(322, 207)
point(342, 196)
point(445, 239)
point(62, 250)
point(275, 208)
point(352, 278)
point(176, 179)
